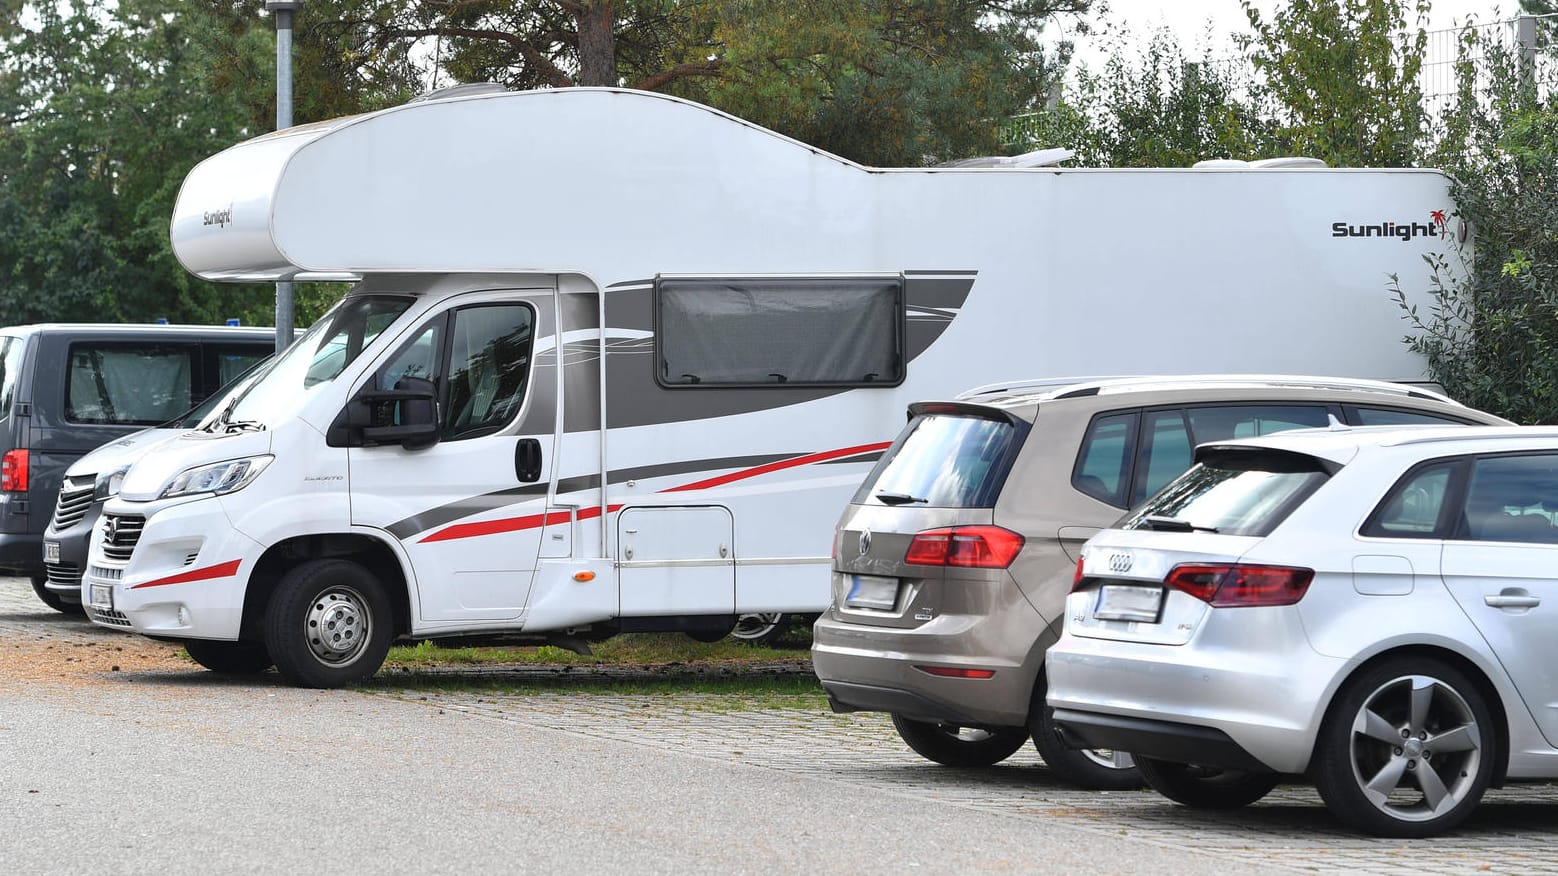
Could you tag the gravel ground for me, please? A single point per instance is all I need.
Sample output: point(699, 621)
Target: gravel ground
point(117, 755)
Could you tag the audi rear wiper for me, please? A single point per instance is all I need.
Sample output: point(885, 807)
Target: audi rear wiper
point(1173, 524)
point(900, 499)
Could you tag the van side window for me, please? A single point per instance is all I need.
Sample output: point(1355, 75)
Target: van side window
point(771, 332)
point(1391, 417)
point(489, 363)
point(130, 384)
point(10, 368)
point(1165, 453)
point(1103, 463)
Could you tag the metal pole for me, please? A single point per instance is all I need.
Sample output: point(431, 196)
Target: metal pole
point(283, 11)
point(1525, 38)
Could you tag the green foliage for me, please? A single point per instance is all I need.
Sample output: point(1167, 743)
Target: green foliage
point(1161, 109)
point(1491, 335)
point(1344, 74)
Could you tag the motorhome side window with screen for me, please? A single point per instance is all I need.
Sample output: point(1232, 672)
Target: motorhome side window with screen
point(797, 331)
point(134, 384)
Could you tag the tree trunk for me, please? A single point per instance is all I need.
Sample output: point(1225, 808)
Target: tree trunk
point(597, 44)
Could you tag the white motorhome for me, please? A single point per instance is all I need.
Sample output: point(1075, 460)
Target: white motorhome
point(614, 361)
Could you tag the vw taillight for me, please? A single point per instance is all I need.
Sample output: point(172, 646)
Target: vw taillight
point(1234, 585)
point(976, 547)
point(13, 471)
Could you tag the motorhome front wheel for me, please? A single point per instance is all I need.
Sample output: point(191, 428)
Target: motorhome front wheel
point(328, 625)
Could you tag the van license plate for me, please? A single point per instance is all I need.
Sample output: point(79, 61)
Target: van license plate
point(1126, 602)
point(51, 552)
point(871, 591)
point(103, 596)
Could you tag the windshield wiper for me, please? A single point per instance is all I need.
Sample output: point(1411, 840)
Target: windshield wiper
point(1173, 524)
point(900, 499)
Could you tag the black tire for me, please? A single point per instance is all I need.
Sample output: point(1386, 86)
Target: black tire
point(759, 629)
point(1094, 769)
point(230, 658)
point(1202, 787)
point(955, 746)
point(328, 624)
point(1407, 749)
point(54, 600)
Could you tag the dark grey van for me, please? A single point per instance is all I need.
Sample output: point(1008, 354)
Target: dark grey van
point(67, 388)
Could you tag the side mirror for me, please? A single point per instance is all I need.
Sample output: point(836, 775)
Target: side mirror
point(406, 415)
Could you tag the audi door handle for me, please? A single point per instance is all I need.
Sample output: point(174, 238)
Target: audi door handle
point(1505, 601)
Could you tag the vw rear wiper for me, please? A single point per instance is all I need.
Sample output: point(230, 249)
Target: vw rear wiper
point(1173, 524)
point(900, 499)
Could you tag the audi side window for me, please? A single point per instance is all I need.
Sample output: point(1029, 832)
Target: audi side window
point(1512, 499)
point(1414, 508)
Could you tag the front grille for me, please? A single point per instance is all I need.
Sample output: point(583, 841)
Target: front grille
point(67, 574)
point(120, 533)
point(109, 616)
point(73, 503)
point(103, 573)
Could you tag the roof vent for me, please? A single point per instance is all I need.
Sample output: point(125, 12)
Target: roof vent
point(1036, 158)
point(1219, 164)
point(1290, 161)
point(464, 89)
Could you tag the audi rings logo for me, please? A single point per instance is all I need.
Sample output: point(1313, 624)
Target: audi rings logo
point(865, 541)
point(1119, 563)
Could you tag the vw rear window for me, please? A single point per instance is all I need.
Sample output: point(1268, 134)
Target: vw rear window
point(1237, 493)
point(10, 368)
point(944, 461)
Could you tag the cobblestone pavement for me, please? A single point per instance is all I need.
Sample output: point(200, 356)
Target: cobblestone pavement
point(1512, 832)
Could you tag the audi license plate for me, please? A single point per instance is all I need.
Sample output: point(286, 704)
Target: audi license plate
point(872, 591)
point(103, 596)
point(51, 552)
point(1128, 602)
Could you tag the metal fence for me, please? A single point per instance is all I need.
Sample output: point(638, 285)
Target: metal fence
point(1524, 37)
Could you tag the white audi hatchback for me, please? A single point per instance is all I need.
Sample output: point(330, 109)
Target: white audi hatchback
point(1375, 610)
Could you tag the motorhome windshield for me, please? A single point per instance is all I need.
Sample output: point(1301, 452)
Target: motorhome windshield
point(319, 356)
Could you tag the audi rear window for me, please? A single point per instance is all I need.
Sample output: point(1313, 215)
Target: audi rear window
point(944, 461)
point(1233, 493)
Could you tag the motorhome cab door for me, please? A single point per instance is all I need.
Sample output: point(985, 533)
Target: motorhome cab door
point(468, 510)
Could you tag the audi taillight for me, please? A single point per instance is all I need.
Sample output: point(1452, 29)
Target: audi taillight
point(1077, 577)
point(13, 471)
point(1234, 585)
point(975, 547)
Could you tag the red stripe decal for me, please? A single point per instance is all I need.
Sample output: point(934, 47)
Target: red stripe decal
point(510, 524)
point(226, 570)
point(533, 521)
point(778, 466)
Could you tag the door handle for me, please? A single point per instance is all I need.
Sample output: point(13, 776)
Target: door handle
point(1506, 600)
point(527, 460)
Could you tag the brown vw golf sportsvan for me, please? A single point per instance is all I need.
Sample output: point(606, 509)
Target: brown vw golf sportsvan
point(952, 563)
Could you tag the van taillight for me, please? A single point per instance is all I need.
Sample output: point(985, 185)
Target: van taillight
point(1233, 585)
point(13, 471)
point(976, 547)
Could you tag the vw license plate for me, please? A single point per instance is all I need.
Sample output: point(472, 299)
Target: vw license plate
point(1127, 602)
point(871, 591)
point(103, 596)
point(51, 552)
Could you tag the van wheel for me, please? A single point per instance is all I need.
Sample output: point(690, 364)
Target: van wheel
point(1407, 750)
point(1097, 769)
point(759, 629)
point(232, 658)
point(956, 746)
point(1201, 787)
point(54, 600)
point(328, 624)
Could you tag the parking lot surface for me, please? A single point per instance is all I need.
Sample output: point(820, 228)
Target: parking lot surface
point(789, 782)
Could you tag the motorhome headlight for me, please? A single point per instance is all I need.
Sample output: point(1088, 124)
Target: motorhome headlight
point(218, 478)
point(107, 484)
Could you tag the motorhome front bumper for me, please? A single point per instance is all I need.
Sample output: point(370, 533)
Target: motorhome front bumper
point(180, 573)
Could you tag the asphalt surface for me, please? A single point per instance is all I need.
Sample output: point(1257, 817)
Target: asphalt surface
point(177, 770)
